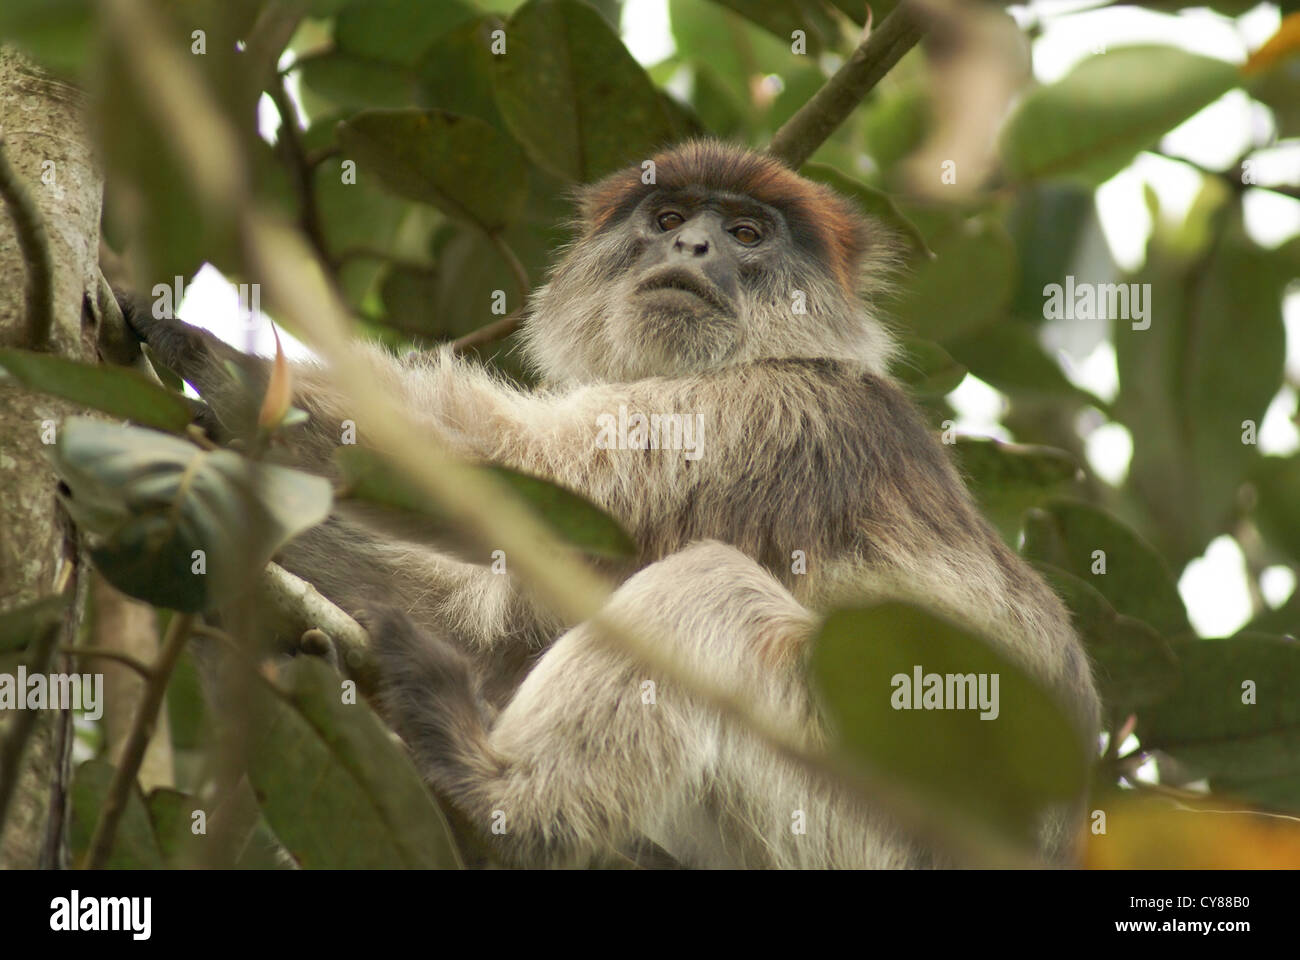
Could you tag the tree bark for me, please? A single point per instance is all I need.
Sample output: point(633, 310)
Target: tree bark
point(48, 145)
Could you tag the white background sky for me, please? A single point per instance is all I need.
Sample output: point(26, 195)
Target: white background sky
point(1214, 586)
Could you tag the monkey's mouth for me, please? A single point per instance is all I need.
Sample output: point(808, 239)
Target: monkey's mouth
point(685, 282)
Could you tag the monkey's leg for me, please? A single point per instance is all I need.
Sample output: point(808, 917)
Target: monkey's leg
point(594, 751)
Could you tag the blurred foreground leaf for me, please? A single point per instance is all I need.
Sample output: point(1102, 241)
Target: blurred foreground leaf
point(1002, 771)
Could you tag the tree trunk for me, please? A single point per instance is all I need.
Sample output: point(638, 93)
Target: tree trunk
point(48, 144)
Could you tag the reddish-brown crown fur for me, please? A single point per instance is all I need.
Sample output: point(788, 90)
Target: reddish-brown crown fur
point(819, 218)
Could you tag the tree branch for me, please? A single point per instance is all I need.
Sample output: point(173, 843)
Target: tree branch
point(101, 842)
point(34, 242)
point(301, 607)
point(24, 721)
point(801, 135)
point(301, 171)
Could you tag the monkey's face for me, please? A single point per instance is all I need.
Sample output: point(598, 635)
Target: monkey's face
point(673, 287)
point(729, 257)
point(682, 301)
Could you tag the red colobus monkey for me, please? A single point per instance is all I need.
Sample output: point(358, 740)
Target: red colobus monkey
point(727, 296)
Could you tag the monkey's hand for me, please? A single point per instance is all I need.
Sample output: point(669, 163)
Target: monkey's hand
point(231, 383)
point(428, 693)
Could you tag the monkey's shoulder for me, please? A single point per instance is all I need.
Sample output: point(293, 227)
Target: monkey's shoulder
point(837, 420)
point(842, 395)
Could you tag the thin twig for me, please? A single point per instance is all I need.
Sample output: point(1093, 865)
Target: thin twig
point(269, 35)
point(316, 157)
point(801, 135)
point(516, 266)
point(215, 633)
point(497, 330)
point(125, 659)
point(146, 715)
point(33, 241)
point(70, 578)
point(14, 745)
point(301, 172)
point(374, 253)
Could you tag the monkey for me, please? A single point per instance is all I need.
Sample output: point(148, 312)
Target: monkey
point(727, 288)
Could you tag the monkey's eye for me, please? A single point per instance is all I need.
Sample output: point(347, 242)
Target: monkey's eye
point(670, 220)
point(746, 234)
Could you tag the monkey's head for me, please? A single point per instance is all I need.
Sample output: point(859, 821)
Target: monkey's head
point(726, 256)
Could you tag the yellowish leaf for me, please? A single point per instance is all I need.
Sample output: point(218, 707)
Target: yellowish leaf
point(279, 389)
point(1161, 834)
point(1284, 43)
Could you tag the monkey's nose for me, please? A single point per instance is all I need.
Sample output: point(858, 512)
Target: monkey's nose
point(694, 246)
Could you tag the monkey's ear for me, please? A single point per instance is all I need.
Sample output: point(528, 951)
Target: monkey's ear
point(608, 198)
point(856, 241)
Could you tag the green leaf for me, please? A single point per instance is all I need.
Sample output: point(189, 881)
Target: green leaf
point(116, 391)
point(395, 30)
point(1277, 510)
point(1087, 126)
point(719, 109)
point(813, 17)
point(965, 288)
point(154, 499)
point(469, 270)
point(895, 122)
point(252, 844)
point(354, 83)
point(21, 625)
point(455, 73)
point(361, 214)
point(1279, 89)
point(570, 516)
point(1049, 223)
point(927, 368)
point(406, 293)
point(461, 165)
point(56, 33)
point(1010, 479)
point(333, 785)
point(1206, 725)
point(873, 201)
point(1136, 581)
point(1007, 356)
point(187, 711)
point(134, 844)
point(150, 180)
point(1283, 620)
point(1002, 771)
point(731, 48)
point(170, 812)
point(572, 94)
point(1132, 663)
point(1211, 360)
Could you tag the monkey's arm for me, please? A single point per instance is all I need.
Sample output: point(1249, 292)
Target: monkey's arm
point(232, 384)
point(459, 403)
